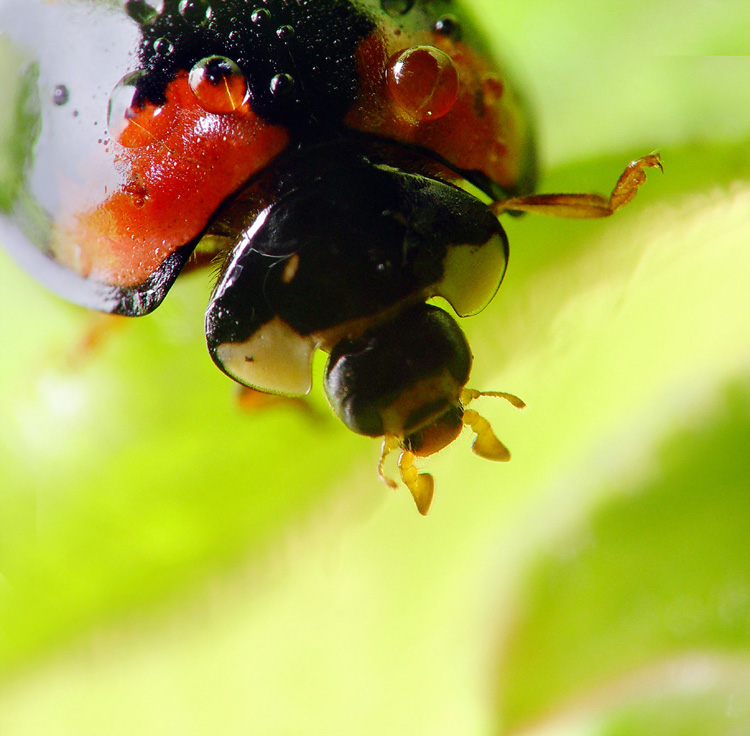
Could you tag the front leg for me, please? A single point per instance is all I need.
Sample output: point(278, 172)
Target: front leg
point(584, 206)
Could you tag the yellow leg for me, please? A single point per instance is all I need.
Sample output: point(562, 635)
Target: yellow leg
point(421, 485)
point(584, 205)
point(486, 444)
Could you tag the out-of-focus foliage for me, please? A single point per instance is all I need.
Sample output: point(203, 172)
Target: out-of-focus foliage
point(656, 579)
point(172, 565)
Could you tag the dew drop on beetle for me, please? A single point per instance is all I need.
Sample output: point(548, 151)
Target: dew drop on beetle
point(423, 82)
point(219, 84)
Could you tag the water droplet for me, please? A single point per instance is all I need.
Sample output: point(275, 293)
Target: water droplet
point(195, 12)
point(144, 11)
point(60, 95)
point(163, 46)
point(396, 8)
point(219, 84)
point(423, 81)
point(285, 33)
point(449, 26)
point(132, 122)
point(260, 16)
point(121, 102)
point(282, 85)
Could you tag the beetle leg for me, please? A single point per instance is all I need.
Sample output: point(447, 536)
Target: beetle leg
point(421, 485)
point(485, 444)
point(390, 443)
point(252, 400)
point(584, 206)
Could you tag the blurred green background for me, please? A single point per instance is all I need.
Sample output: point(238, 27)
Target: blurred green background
point(171, 565)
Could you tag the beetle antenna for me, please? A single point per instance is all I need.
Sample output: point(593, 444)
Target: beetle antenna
point(469, 394)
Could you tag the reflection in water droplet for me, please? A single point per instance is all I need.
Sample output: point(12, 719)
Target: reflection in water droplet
point(282, 85)
point(195, 12)
point(144, 11)
point(219, 84)
point(60, 95)
point(395, 8)
point(423, 81)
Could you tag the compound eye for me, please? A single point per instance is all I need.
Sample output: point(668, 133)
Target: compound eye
point(219, 84)
point(423, 82)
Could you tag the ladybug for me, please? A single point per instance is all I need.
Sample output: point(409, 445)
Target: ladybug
point(339, 162)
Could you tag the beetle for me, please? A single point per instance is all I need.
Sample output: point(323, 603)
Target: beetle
point(342, 161)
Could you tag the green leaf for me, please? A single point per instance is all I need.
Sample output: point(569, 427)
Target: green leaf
point(127, 469)
point(172, 565)
point(658, 579)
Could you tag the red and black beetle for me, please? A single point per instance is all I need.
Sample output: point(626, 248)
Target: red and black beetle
point(319, 151)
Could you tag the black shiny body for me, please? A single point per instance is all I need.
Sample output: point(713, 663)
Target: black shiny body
point(364, 237)
point(365, 376)
point(346, 209)
point(309, 44)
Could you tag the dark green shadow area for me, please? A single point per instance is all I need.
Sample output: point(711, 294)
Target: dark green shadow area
point(661, 571)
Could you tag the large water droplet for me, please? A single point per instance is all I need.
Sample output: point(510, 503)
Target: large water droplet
point(134, 123)
point(122, 100)
point(219, 84)
point(423, 81)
